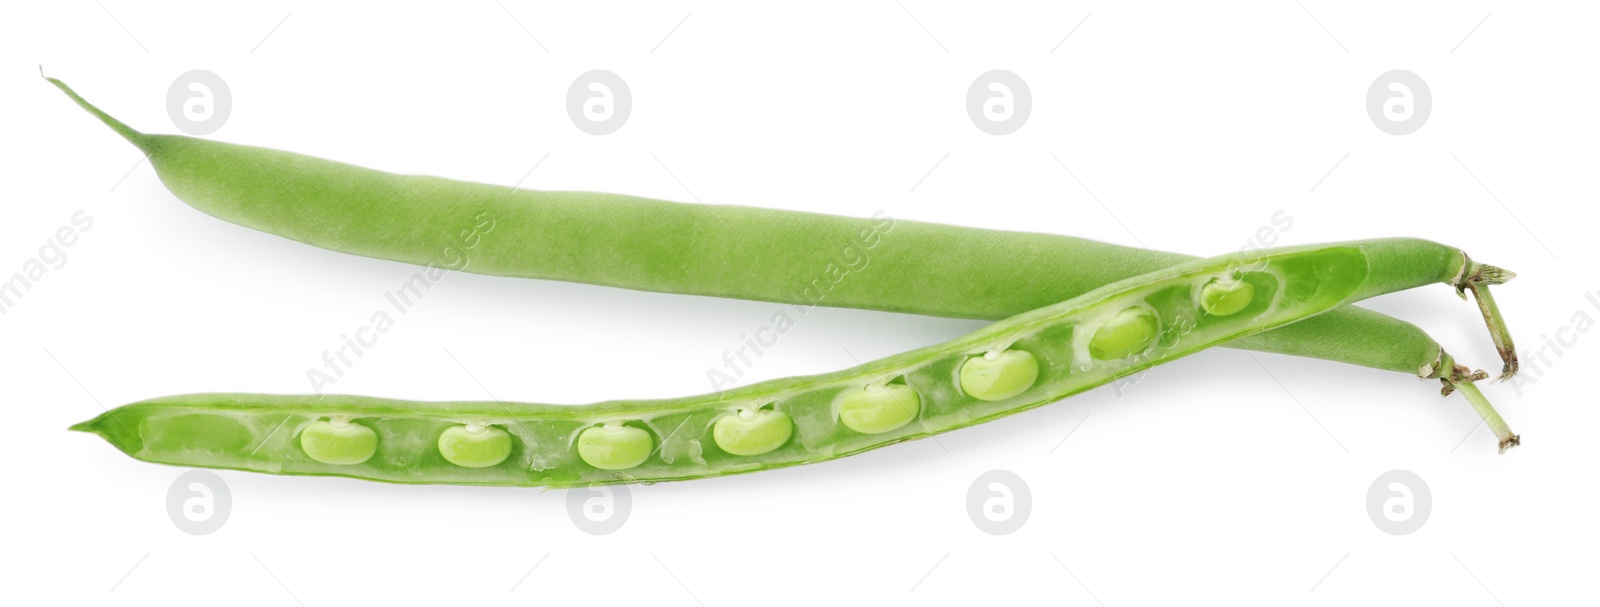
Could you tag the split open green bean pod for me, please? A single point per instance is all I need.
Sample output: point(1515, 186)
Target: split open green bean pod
point(727, 251)
point(1010, 366)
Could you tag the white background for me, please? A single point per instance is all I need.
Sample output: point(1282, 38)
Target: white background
point(1221, 477)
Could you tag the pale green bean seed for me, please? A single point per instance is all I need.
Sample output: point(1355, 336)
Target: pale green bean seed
point(999, 375)
point(877, 409)
point(338, 442)
point(1130, 332)
point(753, 432)
point(1226, 296)
point(475, 445)
point(614, 446)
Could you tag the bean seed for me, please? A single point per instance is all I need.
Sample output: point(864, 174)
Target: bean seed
point(475, 445)
point(999, 375)
point(338, 442)
point(876, 409)
point(614, 446)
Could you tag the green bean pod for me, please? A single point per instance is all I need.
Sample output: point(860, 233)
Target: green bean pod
point(799, 258)
point(1022, 362)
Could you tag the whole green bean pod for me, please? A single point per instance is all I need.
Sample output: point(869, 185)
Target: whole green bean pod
point(726, 251)
point(1013, 365)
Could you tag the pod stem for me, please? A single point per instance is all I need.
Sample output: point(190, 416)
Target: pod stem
point(1491, 417)
point(1477, 277)
point(135, 137)
point(1458, 378)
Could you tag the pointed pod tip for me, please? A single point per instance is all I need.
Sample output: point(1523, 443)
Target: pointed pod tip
point(135, 137)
